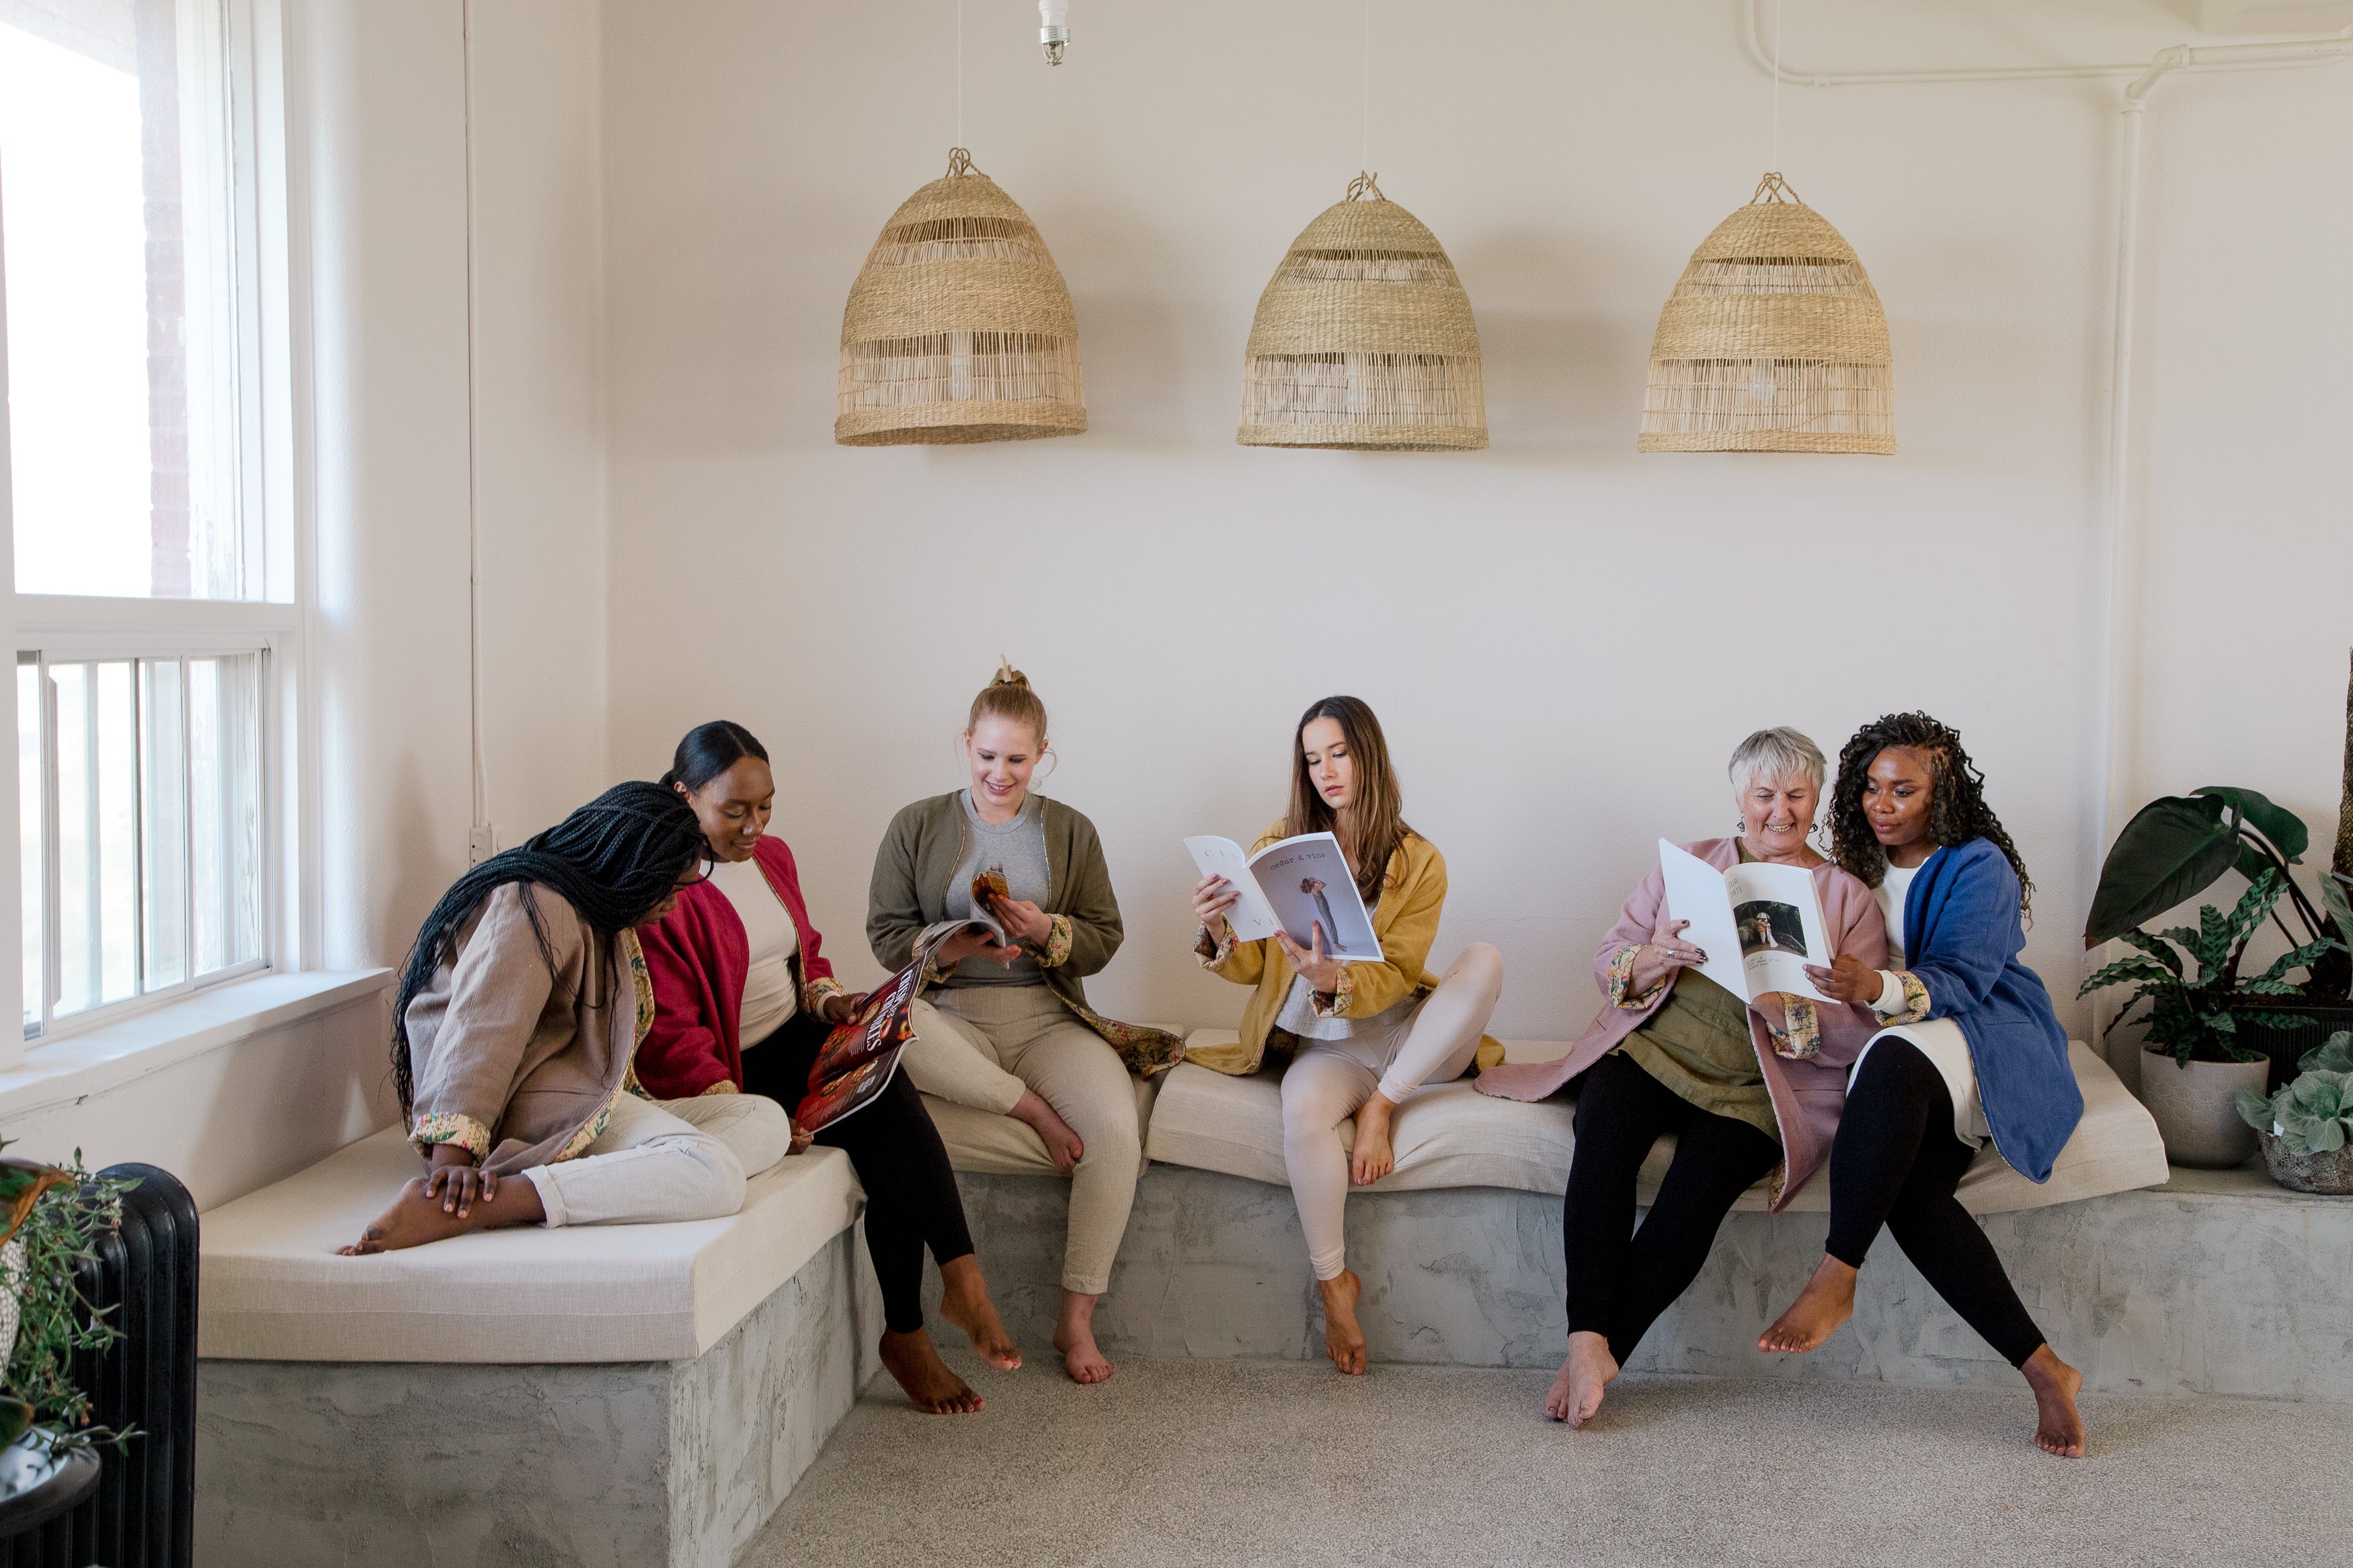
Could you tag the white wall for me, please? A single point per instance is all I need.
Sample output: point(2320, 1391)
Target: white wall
point(1563, 638)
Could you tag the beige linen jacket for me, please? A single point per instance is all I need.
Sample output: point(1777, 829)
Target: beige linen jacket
point(517, 1065)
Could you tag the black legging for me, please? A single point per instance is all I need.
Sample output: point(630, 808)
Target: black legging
point(1895, 1162)
point(912, 1200)
point(1619, 1282)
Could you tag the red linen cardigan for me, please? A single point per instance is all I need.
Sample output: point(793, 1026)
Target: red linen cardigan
point(697, 957)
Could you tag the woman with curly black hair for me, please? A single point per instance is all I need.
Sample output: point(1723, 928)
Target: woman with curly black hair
point(1971, 1050)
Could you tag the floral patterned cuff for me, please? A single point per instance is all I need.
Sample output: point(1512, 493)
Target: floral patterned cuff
point(1342, 993)
point(451, 1127)
point(1802, 1040)
point(1915, 999)
point(724, 1085)
point(820, 989)
point(1621, 976)
point(1213, 954)
point(1057, 942)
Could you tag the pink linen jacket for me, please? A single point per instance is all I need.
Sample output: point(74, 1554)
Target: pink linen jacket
point(1807, 1094)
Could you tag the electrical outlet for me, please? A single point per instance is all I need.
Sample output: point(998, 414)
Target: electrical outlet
point(481, 843)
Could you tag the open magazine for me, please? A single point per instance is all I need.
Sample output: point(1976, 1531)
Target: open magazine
point(1759, 924)
point(1294, 886)
point(860, 1057)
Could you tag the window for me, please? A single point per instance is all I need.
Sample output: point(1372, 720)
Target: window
point(155, 673)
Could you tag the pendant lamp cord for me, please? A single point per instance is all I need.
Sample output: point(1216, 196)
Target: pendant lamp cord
point(1366, 127)
point(1773, 162)
point(959, 140)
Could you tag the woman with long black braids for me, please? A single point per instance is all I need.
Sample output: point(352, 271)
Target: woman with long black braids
point(518, 1011)
point(743, 1001)
point(1972, 1050)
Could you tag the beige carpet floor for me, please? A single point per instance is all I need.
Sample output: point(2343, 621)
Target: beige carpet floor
point(1235, 1463)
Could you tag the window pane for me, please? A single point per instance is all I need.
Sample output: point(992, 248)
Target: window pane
point(224, 794)
point(164, 840)
point(121, 349)
point(97, 833)
point(32, 810)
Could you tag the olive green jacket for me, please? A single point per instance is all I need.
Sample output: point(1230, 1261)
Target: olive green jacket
point(920, 851)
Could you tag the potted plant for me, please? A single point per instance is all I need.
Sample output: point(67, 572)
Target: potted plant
point(51, 1218)
point(2213, 1030)
point(2306, 1127)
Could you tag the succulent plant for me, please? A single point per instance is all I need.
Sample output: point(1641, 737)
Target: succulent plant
point(2314, 1114)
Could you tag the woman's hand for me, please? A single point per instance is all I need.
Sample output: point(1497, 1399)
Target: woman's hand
point(1848, 979)
point(1212, 897)
point(1665, 952)
point(1025, 921)
point(801, 1137)
point(840, 1008)
point(973, 943)
point(1322, 970)
point(457, 1181)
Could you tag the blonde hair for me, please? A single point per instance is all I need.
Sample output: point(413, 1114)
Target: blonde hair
point(1007, 696)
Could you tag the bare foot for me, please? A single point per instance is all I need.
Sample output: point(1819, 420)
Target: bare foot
point(1372, 1157)
point(2058, 1424)
point(1827, 1301)
point(1577, 1392)
point(1074, 1336)
point(1062, 1145)
point(1343, 1338)
point(964, 1301)
point(415, 1219)
point(914, 1365)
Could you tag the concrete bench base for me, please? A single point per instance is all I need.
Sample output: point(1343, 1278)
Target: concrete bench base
point(2217, 1283)
point(622, 1465)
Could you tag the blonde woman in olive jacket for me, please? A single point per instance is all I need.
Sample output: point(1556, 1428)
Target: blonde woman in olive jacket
point(1360, 1036)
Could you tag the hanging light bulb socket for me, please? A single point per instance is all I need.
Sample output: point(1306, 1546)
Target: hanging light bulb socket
point(1054, 28)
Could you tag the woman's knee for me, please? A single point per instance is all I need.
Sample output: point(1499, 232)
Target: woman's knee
point(1479, 965)
point(710, 1183)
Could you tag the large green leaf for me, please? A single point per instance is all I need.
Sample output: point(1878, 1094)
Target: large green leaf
point(2340, 908)
point(2172, 850)
point(2283, 827)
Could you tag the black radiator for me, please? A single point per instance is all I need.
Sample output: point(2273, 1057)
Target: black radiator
point(142, 1514)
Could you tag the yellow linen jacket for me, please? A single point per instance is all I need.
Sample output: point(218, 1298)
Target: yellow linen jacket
point(1413, 895)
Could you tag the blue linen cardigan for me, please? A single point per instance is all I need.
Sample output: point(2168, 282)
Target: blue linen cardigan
point(1962, 936)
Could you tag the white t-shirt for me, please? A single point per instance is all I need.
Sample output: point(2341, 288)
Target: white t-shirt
point(770, 994)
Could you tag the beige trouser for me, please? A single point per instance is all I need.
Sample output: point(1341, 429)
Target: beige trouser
point(982, 1045)
point(1330, 1080)
point(663, 1161)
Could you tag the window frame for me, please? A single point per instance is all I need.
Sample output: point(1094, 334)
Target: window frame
point(267, 283)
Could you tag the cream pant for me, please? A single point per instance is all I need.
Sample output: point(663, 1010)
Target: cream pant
point(659, 1161)
point(1328, 1080)
point(983, 1045)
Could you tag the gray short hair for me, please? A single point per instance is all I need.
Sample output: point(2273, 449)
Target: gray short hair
point(1780, 752)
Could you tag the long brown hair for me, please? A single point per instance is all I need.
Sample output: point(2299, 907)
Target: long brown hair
point(1378, 810)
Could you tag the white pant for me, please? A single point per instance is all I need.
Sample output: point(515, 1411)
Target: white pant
point(1330, 1080)
point(660, 1161)
point(983, 1046)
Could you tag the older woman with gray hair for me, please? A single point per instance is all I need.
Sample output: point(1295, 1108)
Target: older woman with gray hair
point(1747, 1090)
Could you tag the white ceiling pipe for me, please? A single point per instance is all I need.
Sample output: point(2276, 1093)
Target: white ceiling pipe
point(1054, 28)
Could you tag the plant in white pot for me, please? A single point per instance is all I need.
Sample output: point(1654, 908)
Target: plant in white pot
point(2209, 1027)
point(2306, 1128)
point(51, 1218)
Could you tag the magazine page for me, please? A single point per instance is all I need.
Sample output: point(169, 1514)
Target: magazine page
point(1251, 919)
point(1695, 893)
point(1778, 914)
point(859, 1057)
point(1307, 883)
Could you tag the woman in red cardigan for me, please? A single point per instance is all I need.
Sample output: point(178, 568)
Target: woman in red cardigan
point(743, 1000)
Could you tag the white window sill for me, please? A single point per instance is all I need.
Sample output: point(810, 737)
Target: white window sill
point(82, 1064)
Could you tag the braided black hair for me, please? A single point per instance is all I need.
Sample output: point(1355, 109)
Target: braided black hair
point(614, 861)
point(710, 750)
point(1956, 806)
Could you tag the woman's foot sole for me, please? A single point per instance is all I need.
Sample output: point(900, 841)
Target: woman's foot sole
point(2058, 1424)
point(1820, 1309)
point(414, 1220)
point(964, 1302)
point(1344, 1338)
point(914, 1365)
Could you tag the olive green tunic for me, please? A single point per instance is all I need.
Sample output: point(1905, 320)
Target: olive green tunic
point(1698, 1044)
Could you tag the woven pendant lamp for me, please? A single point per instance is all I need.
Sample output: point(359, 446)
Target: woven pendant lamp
point(959, 327)
point(1772, 342)
point(1364, 338)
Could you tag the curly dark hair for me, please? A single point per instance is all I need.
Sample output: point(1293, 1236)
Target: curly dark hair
point(1956, 806)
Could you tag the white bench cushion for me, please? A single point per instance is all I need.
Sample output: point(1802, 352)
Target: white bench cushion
point(275, 1290)
point(1450, 1135)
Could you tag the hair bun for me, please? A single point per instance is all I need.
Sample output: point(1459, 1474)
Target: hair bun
point(1008, 676)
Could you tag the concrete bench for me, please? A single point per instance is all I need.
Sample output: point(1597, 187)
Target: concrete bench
point(599, 1395)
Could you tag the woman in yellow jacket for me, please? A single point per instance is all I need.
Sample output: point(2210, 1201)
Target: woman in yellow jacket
point(1360, 1036)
